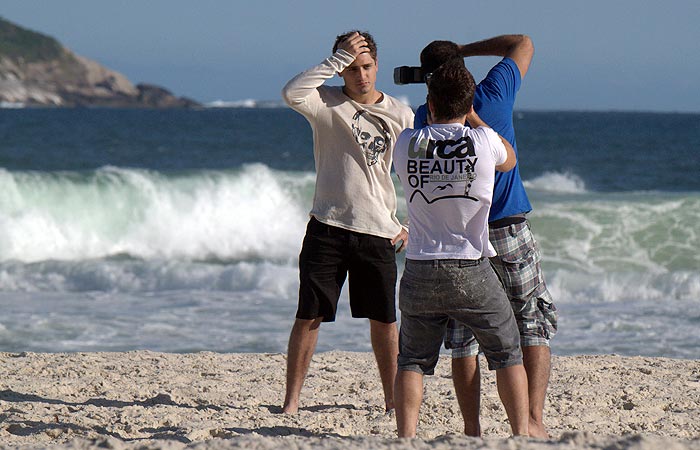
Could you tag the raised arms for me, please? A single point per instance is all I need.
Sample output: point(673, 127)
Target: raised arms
point(518, 47)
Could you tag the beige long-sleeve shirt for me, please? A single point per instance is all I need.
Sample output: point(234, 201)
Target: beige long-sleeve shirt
point(353, 146)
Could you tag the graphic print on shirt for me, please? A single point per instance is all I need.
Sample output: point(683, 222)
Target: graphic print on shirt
point(438, 170)
point(365, 127)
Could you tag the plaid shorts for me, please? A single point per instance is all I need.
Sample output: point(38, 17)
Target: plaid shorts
point(518, 267)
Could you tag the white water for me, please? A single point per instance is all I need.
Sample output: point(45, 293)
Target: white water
point(557, 182)
point(255, 213)
point(121, 258)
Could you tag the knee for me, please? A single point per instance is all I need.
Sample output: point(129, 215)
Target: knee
point(376, 325)
point(302, 325)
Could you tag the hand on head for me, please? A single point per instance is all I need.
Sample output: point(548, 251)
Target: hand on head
point(355, 44)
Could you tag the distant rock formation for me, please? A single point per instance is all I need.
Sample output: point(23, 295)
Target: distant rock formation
point(36, 70)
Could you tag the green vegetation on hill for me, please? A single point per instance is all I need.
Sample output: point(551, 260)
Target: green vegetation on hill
point(17, 42)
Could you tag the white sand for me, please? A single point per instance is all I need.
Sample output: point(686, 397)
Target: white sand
point(154, 400)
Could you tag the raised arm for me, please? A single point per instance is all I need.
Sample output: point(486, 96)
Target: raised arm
point(302, 87)
point(518, 47)
point(300, 90)
point(475, 122)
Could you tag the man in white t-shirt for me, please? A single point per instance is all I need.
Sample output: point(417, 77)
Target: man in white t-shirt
point(353, 226)
point(447, 172)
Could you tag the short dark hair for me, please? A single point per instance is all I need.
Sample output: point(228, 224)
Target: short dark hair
point(436, 54)
point(365, 34)
point(451, 90)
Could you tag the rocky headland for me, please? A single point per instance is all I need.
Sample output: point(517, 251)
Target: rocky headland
point(37, 71)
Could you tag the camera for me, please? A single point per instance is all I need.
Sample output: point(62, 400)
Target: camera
point(408, 75)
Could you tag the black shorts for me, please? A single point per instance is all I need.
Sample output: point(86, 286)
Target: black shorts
point(328, 255)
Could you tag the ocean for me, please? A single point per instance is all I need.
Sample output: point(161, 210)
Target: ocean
point(179, 230)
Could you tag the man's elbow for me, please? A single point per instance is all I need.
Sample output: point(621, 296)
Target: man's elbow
point(505, 167)
point(526, 44)
point(286, 95)
point(508, 165)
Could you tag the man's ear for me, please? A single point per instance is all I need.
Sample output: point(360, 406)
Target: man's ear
point(431, 109)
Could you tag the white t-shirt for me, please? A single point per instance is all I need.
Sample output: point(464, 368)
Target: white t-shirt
point(353, 146)
point(447, 173)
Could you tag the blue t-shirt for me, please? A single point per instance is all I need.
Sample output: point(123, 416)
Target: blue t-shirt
point(493, 102)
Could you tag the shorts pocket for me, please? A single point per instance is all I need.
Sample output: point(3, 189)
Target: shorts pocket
point(550, 316)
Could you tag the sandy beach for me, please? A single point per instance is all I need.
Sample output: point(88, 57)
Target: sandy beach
point(144, 399)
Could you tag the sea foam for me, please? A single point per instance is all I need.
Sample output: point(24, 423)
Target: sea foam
point(251, 213)
point(565, 182)
point(646, 232)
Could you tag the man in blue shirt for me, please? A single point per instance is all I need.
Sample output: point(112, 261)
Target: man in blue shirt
point(518, 260)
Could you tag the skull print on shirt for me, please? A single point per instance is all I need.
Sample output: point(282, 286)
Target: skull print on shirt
point(364, 128)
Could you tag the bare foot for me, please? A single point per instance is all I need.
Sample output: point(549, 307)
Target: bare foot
point(290, 408)
point(473, 430)
point(537, 430)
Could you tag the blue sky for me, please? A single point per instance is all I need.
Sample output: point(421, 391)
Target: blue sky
point(595, 55)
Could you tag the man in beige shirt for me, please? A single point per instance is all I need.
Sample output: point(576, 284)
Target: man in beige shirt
point(353, 226)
